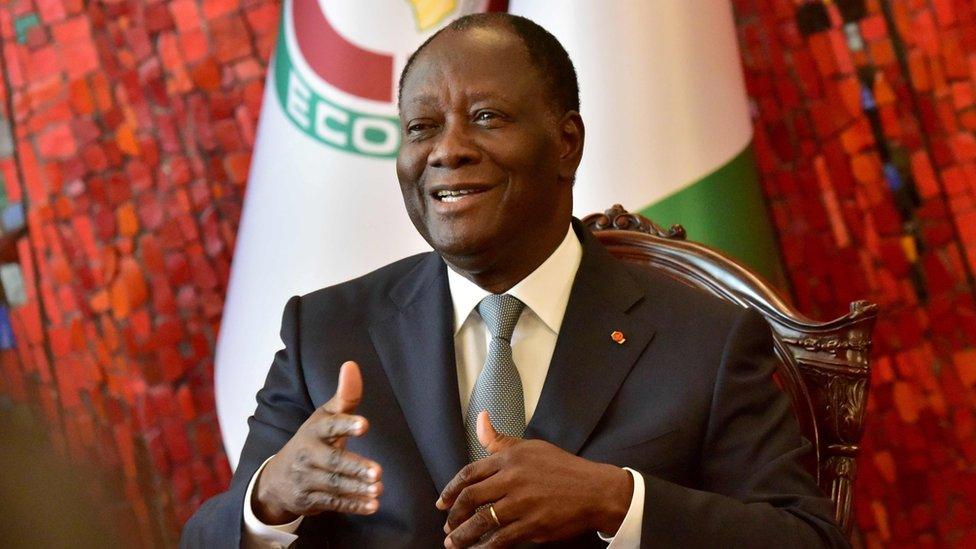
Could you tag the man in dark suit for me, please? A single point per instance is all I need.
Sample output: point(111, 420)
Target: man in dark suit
point(620, 404)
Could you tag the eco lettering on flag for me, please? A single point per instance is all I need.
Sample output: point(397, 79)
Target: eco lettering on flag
point(354, 70)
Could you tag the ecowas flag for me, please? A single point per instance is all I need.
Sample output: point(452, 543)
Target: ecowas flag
point(323, 204)
point(668, 131)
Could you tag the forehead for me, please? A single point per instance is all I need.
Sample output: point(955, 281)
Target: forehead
point(486, 59)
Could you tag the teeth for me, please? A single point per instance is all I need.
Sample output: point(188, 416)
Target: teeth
point(452, 196)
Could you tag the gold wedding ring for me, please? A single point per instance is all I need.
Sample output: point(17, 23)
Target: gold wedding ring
point(494, 516)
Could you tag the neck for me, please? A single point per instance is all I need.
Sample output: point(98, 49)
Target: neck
point(499, 272)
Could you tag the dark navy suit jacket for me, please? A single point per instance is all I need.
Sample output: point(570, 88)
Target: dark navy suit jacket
point(687, 400)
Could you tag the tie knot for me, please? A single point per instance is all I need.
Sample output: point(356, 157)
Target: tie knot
point(500, 313)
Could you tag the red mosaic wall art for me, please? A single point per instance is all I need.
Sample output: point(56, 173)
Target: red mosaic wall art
point(865, 120)
point(124, 145)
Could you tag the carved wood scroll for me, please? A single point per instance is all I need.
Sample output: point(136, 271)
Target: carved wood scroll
point(824, 366)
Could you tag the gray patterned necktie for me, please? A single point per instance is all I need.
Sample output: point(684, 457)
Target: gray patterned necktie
point(499, 386)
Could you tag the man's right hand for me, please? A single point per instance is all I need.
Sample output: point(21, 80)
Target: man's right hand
point(313, 472)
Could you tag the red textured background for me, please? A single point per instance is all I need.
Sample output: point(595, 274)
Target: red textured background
point(133, 124)
point(905, 237)
point(126, 133)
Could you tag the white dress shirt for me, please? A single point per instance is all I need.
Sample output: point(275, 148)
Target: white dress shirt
point(545, 293)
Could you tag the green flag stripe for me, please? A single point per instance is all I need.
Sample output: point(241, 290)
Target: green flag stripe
point(726, 210)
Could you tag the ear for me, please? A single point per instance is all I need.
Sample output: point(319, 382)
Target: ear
point(571, 134)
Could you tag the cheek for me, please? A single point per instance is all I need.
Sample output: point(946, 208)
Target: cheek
point(409, 166)
point(410, 189)
point(413, 203)
point(537, 153)
point(403, 174)
point(536, 168)
point(415, 208)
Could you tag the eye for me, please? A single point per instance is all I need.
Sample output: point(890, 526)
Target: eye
point(490, 119)
point(485, 116)
point(418, 126)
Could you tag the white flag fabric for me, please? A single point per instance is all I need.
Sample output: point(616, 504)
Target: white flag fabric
point(323, 204)
point(668, 131)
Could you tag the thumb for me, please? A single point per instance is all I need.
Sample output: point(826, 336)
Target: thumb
point(492, 440)
point(349, 392)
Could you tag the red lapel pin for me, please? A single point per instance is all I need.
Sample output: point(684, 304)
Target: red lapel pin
point(618, 337)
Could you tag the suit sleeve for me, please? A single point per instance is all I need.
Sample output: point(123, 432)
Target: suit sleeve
point(755, 491)
point(283, 405)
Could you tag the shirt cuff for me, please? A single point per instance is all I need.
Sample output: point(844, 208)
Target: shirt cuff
point(629, 534)
point(258, 535)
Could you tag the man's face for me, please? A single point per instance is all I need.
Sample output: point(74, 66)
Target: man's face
point(484, 166)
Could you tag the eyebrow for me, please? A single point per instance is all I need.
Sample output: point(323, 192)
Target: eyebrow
point(473, 97)
point(422, 99)
point(482, 95)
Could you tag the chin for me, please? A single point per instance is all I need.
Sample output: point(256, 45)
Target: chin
point(458, 245)
point(453, 245)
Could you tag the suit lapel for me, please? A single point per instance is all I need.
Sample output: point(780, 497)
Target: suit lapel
point(416, 348)
point(588, 366)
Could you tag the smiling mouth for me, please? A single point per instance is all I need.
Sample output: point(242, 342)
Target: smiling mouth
point(456, 195)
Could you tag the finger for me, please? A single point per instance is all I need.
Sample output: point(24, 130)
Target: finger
point(469, 474)
point(471, 530)
point(331, 427)
point(492, 440)
point(350, 464)
point(507, 535)
point(337, 483)
point(349, 392)
point(471, 498)
point(352, 505)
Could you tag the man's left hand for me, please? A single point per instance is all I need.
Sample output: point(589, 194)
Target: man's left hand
point(539, 493)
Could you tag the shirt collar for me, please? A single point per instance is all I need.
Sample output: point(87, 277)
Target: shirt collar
point(545, 291)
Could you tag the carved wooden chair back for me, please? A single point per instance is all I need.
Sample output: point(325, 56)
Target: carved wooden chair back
point(823, 365)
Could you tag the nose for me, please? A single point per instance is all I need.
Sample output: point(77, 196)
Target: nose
point(454, 148)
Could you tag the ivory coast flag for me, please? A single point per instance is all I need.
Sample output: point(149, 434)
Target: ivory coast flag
point(323, 204)
point(668, 132)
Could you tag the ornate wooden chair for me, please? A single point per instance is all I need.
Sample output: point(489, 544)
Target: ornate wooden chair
point(823, 365)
